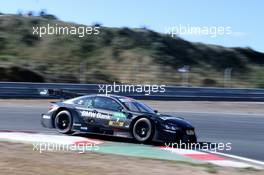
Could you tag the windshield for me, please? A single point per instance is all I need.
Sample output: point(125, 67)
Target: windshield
point(136, 106)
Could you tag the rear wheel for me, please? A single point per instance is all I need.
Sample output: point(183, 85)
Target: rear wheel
point(143, 130)
point(63, 122)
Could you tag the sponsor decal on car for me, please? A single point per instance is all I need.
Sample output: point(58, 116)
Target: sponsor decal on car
point(95, 115)
point(84, 128)
point(77, 124)
point(116, 123)
point(190, 132)
point(46, 116)
point(119, 115)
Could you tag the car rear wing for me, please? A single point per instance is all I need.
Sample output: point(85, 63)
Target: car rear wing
point(59, 93)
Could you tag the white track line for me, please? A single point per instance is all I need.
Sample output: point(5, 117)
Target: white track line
point(222, 113)
point(27, 137)
point(182, 151)
point(237, 162)
point(231, 163)
point(240, 158)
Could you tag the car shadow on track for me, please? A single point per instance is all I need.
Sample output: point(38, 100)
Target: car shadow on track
point(114, 139)
point(132, 141)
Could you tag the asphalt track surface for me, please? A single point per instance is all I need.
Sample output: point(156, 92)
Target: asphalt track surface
point(245, 132)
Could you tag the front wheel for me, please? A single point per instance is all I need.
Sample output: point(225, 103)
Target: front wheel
point(143, 130)
point(63, 122)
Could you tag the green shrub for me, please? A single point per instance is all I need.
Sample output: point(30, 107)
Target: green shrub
point(209, 82)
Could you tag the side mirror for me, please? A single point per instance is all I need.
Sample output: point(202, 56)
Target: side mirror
point(120, 108)
point(156, 111)
point(124, 111)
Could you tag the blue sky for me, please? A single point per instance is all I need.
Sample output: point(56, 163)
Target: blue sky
point(245, 17)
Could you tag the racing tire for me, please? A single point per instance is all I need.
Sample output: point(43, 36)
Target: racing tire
point(143, 130)
point(63, 122)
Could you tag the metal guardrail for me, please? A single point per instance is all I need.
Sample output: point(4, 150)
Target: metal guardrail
point(32, 90)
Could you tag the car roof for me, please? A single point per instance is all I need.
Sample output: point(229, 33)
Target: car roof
point(108, 95)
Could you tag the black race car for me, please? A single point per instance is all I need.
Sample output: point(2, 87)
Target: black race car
point(118, 116)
